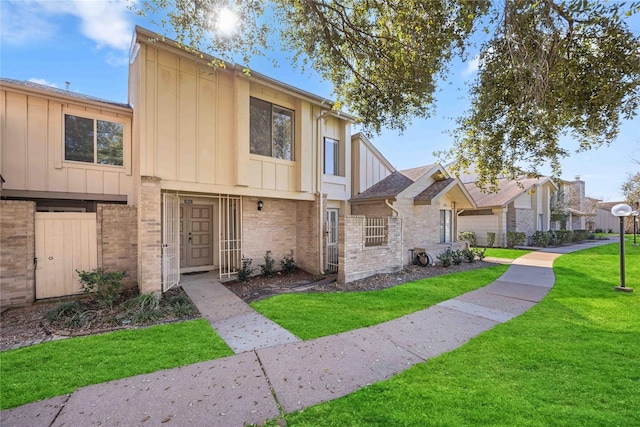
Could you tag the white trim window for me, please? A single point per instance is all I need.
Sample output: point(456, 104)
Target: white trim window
point(446, 226)
point(331, 156)
point(271, 130)
point(93, 141)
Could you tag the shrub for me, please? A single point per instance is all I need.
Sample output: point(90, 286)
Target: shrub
point(564, 236)
point(143, 308)
point(515, 238)
point(457, 257)
point(541, 239)
point(181, 306)
point(105, 286)
point(68, 314)
point(580, 235)
point(445, 258)
point(469, 237)
point(268, 268)
point(245, 272)
point(479, 253)
point(491, 239)
point(288, 264)
point(469, 255)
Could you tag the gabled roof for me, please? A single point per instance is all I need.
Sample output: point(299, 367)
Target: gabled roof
point(508, 190)
point(37, 88)
point(399, 181)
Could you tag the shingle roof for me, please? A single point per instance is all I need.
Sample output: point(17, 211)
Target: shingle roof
point(389, 187)
point(59, 92)
point(416, 173)
point(433, 190)
point(508, 190)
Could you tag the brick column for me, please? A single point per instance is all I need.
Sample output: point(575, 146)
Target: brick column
point(150, 236)
point(17, 251)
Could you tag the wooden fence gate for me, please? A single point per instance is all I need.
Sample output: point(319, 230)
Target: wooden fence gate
point(65, 242)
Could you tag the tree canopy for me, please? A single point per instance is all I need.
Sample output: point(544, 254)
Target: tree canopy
point(546, 67)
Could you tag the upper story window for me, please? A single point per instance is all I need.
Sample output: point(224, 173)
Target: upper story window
point(271, 129)
point(93, 141)
point(331, 158)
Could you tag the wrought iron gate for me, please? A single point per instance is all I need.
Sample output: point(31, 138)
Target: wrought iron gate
point(332, 241)
point(170, 241)
point(230, 226)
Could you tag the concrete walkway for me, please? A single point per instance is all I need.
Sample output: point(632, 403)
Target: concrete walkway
point(274, 372)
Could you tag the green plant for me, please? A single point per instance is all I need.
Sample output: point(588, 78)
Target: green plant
point(245, 272)
point(68, 314)
point(491, 239)
point(541, 239)
point(181, 305)
point(457, 257)
point(288, 264)
point(469, 255)
point(268, 268)
point(106, 286)
point(445, 258)
point(480, 253)
point(515, 238)
point(469, 237)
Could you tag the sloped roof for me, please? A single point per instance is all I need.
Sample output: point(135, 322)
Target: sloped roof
point(36, 87)
point(433, 190)
point(509, 189)
point(416, 173)
point(389, 187)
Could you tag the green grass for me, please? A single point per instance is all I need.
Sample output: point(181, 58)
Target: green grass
point(505, 253)
point(572, 360)
point(58, 367)
point(320, 314)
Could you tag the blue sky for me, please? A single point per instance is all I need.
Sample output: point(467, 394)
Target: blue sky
point(86, 43)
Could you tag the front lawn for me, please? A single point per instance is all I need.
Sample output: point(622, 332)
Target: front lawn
point(53, 368)
point(572, 360)
point(505, 253)
point(313, 315)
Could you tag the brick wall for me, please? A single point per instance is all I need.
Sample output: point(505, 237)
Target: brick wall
point(150, 232)
point(118, 240)
point(356, 260)
point(307, 239)
point(17, 251)
point(274, 228)
point(525, 221)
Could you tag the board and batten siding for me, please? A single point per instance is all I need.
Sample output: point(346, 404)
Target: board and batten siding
point(368, 165)
point(32, 147)
point(194, 128)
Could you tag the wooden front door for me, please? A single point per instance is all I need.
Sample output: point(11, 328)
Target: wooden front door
point(196, 235)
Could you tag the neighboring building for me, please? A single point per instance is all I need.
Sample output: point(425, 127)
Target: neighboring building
point(426, 199)
point(605, 221)
point(570, 207)
point(522, 205)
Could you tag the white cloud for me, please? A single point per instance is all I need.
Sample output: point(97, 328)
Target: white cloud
point(472, 66)
point(42, 82)
point(107, 22)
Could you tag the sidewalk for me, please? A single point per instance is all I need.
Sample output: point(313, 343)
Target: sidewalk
point(274, 371)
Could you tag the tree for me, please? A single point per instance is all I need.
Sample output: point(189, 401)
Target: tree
point(631, 188)
point(547, 67)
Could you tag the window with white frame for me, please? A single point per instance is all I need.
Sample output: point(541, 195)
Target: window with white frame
point(93, 141)
point(331, 156)
point(446, 226)
point(271, 130)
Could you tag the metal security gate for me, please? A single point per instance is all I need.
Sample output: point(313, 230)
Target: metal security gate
point(230, 226)
point(170, 241)
point(332, 241)
point(64, 242)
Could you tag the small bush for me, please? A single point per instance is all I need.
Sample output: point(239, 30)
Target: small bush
point(563, 237)
point(288, 264)
point(68, 314)
point(105, 286)
point(515, 238)
point(182, 306)
point(457, 257)
point(268, 268)
point(480, 253)
point(541, 239)
point(245, 272)
point(469, 255)
point(143, 308)
point(469, 237)
point(445, 258)
point(491, 239)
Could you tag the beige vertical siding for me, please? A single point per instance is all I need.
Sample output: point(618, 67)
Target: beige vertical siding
point(32, 146)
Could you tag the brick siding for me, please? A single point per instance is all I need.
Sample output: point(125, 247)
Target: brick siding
point(118, 240)
point(17, 252)
point(150, 236)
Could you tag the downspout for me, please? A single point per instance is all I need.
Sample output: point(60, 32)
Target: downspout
point(386, 202)
point(319, 150)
